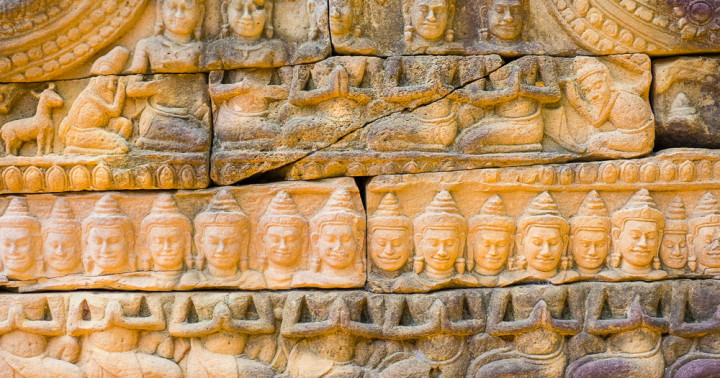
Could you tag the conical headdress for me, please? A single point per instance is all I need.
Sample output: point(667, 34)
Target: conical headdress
point(388, 214)
point(493, 216)
point(442, 212)
point(640, 206)
point(281, 211)
point(592, 215)
point(222, 209)
point(338, 209)
point(542, 210)
point(18, 214)
point(165, 211)
point(62, 218)
point(707, 213)
point(676, 222)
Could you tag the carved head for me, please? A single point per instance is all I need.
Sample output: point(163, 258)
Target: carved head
point(180, 17)
point(593, 78)
point(492, 234)
point(704, 236)
point(390, 235)
point(505, 19)
point(222, 235)
point(637, 229)
point(166, 236)
point(247, 18)
point(674, 249)
point(108, 239)
point(111, 63)
point(338, 234)
point(283, 232)
point(61, 236)
point(429, 19)
point(343, 15)
point(590, 234)
point(542, 236)
point(440, 238)
point(20, 242)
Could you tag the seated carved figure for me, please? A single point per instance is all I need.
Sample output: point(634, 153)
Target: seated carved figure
point(337, 235)
point(219, 334)
point(590, 236)
point(346, 34)
point(514, 100)
point(222, 235)
point(20, 256)
point(94, 125)
point(26, 335)
point(704, 235)
point(674, 247)
point(542, 242)
point(390, 240)
point(283, 232)
point(175, 46)
point(490, 243)
point(637, 229)
point(501, 28)
point(240, 121)
point(525, 335)
point(603, 105)
point(113, 330)
point(429, 27)
point(246, 39)
point(61, 235)
point(108, 239)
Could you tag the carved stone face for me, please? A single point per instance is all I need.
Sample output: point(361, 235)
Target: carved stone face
point(107, 248)
point(390, 248)
point(181, 16)
point(590, 248)
point(166, 244)
point(16, 248)
point(707, 246)
point(674, 251)
point(543, 246)
point(61, 251)
point(440, 247)
point(491, 248)
point(341, 16)
point(337, 245)
point(247, 17)
point(283, 244)
point(429, 17)
point(595, 88)
point(222, 246)
point(638, 242)
point(505, 19)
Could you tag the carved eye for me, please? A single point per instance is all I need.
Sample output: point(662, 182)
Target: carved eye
point(682, 245)
point(669, 243)
point(516, 9)
point(586, 244)
point(450, 243)
point(396, 243)
point(537, 242)
point(424, 9)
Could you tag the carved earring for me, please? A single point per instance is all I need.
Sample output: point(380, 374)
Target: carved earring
point(692, 263)
point(615, 258)
point(656, 263)
point(418, 264)
point(460, 265)
point(409, 30)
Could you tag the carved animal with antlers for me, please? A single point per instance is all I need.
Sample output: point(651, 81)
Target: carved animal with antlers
point(38, 127)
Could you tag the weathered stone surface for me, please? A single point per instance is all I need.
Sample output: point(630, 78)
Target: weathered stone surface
point(577, 330)
point(41, 40)
point(685, 102)
point(645, 219)
point(535, 109)
point(107, 132)
point(299, 234)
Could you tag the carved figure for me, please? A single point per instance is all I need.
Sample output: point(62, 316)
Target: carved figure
point(514, 101)
point(283, 232)
point(166, 236)
point(246, 39)
point(337, 237)
point(317, 45)
point(20, 242)
point(112, 334)
point(240, 121)
point(346, 33)
point(490, 243)
point(704, 235)
point(637, 229)
point(61, 235)
point(175, 46)
point(674, 249)
point(429, 27)
point(39, 127)
point(94, 125)
point(222, 235)
point(590, 236)
point(603, 105)
point(390, 236)
point(219, 334)
point(502, 25)
point(108, 239)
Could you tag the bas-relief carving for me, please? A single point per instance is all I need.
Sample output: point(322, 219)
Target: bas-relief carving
point(644, 329)
point(535, 109)
point(646, 219)
point(107, 132)
point(269, 236)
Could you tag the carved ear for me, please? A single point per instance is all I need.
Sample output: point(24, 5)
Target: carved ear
point(188, 250)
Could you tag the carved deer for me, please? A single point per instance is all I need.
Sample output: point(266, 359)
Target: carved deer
point(38, 127)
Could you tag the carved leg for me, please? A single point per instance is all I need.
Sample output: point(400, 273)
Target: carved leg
point(158, 367)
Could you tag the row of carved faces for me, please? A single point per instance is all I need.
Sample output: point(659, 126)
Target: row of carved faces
point(104, 242)
point(634, 240)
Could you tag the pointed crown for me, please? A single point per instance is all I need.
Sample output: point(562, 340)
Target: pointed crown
point(62, 218)
point(640, 206)
point(339, 209)
point(707, 213)
point(388, 214)
point(18, 214)
point(165, 212)
point(282, 211)
point(492, 216)
point(542, 211)
point(676, 219)
point(592, 215)
point(222, 209)
point(442, 212)
point(107, 213)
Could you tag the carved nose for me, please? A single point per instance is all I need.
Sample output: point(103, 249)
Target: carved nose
point(643, 241)
point(492, 251)
point(430, 16)
point(387, 250)
point(246, 13)
point(59, 251)
point(507, 16)
point(591, 251)
point(442, 252)
point(675, 251)
point(545, 251)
